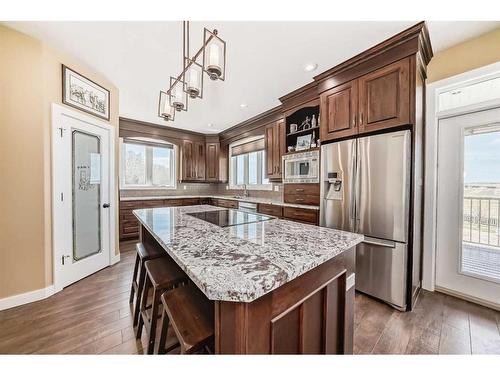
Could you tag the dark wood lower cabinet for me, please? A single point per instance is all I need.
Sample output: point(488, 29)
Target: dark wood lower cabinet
point(227, 203)
point(129, 226)
point(128, 223)
point(313, 314)
point(303, 215)
point(270, 209)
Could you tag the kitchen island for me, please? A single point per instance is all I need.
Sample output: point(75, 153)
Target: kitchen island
point(278, 286)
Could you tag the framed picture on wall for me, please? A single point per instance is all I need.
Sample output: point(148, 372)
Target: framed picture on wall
point(84, 94)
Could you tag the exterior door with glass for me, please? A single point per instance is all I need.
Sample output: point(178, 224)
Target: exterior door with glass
point(81, 197)
point(468, 206)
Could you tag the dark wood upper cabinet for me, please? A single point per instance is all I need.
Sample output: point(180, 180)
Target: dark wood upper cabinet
point(199, 148)
point(339, 108)
point(384, 97)
point(193, 161)
point(212, 162)
point(375, 101)
point(269, 136)
point(188, 161)
point(275, 148)
point(203, 162)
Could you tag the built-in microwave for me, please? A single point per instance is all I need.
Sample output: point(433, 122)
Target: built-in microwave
point(301, 167)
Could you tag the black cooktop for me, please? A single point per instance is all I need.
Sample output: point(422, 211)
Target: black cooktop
point(228, 218)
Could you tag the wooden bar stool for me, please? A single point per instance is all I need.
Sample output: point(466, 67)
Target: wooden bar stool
point(162, 274)
point(191, 314)
point(144, 253)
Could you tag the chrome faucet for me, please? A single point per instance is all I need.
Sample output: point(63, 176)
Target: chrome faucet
point(245, 191)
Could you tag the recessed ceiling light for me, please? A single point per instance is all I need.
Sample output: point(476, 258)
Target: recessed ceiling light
point(310, 67)
point(243, 105)
point(210, 125)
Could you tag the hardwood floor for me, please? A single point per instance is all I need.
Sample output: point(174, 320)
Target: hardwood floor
point(93, 316)
point(439, 324)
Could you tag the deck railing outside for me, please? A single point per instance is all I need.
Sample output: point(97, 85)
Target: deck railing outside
point(481, 220)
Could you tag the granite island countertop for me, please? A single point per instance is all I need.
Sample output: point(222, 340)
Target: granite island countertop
point(242, 262)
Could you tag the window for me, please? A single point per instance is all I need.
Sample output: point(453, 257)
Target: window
point(248, 165)
point(147, 165)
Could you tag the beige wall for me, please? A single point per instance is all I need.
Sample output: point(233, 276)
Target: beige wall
point(30, 81)
point(472, 54)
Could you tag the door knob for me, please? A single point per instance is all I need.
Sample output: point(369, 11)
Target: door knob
point(105, 205)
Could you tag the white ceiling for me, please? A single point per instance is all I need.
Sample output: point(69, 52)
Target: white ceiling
point(265, 60)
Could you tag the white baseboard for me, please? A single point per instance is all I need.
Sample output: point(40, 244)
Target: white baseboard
point(114, 259)
point(466, 297)
point(23, 298)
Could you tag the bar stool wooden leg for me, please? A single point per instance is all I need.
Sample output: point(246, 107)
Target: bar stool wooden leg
point(140, 287)
point(164, 332)
point(154, 319)
point(142, 306)
point(134, 278)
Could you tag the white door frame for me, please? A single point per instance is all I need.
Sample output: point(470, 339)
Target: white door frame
point(431, 154)
point(58, 113)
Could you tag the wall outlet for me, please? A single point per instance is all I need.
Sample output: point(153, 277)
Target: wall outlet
point(185, 187)
point(227, 187)
point(276, 188)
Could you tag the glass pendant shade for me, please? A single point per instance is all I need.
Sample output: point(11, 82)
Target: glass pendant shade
point(214, 56)
point(178, 98)
point(165, 110)
point(194, 80)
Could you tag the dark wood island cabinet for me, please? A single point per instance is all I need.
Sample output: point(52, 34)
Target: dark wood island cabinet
point(300, 302)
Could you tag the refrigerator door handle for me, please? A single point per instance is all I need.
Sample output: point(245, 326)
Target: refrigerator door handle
point(358, 179)
point(352, 197)
point(379, 242)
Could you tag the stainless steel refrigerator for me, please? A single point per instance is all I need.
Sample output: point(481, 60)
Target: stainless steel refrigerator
point(365, 188)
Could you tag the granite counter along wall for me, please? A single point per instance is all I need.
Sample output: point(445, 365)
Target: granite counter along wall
point(203, 189)
point(182, 189)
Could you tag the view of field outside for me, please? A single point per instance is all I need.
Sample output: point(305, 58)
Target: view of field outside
point(481, 205)
point(147, 165)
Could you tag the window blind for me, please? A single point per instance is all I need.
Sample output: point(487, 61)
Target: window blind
point(251, 146)
point(148, 143)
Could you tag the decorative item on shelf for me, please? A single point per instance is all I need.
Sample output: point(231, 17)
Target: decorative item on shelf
point(318, 143)
point(293, 128)
point(210, 58)
point(306, 124)
point(291, 149)
point(313, 139)
point(303, 142)
point(313, 122)
point(84, 94)
point(318, 120)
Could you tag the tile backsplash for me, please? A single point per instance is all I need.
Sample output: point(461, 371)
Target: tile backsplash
point(182, 189)
point(203, 189)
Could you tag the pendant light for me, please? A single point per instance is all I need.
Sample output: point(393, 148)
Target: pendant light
point(210, 58)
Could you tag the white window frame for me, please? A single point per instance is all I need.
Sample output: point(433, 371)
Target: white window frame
point(433, 115)
point(173, 165)
point(261, 169)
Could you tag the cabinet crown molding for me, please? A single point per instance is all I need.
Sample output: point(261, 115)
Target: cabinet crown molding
point(417, 32)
